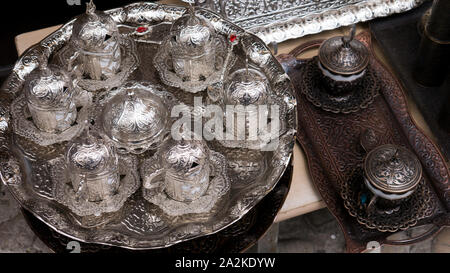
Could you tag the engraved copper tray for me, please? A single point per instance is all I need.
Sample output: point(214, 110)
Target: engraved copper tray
point(140, 225)
point(332, 146)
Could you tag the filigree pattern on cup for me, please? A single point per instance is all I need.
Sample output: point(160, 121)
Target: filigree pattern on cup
point(68, 57)
point(219, 187)
point(64, 193)
point(23, 124)
point(164, 65)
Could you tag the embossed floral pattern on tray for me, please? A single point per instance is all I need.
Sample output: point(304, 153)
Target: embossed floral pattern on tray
point(142, 225)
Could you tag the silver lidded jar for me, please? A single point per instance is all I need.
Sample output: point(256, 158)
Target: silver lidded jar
point(49, 95)
point(392, 173)
point(343, 61)
point(185, 166)
point(95, 37)
point(192, 47)
point(135, 120)
point(93, 168)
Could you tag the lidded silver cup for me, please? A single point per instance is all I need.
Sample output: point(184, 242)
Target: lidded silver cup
point(49, 95)
point(95, 36)
point(93, 167)
point(192, 46)
point(246, 104)
point(185, 167)
point(246, 87)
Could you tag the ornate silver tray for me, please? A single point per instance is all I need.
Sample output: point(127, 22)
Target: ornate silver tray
point(26, 168)
point(281, 20)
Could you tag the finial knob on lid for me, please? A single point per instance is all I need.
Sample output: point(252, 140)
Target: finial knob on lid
point(343, 55)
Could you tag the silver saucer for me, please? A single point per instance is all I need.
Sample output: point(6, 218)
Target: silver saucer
point(24, 126)
point(64, 194)
point(163, 63)
point(218, 189)
point(129, 63)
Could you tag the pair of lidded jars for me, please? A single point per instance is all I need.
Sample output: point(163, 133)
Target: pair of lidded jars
point(95, 37)
point(343, 62)
point(50, 98)
point(192, 47)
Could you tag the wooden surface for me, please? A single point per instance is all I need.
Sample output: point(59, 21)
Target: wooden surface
point(303, 197)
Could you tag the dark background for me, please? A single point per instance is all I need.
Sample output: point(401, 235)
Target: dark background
point(19, 16)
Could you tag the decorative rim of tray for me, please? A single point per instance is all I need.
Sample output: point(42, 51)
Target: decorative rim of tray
point(299, 18)
point(41, 205)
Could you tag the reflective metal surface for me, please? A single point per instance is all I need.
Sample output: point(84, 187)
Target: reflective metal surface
point(99, 56)
point(104, 193)
point(139, 224)
point(49, 94)
point(184, 164)
point(137, 118)
point(246, 87)
point(93, 168)
point(24, 125)
point(186, 183)
point(193, 47)
point(190, 62)
point(281, 20)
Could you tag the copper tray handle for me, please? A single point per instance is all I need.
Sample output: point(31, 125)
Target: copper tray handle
point(306, 46)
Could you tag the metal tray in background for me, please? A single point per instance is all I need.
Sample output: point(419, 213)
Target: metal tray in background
point(281, 20)
point(335, 156)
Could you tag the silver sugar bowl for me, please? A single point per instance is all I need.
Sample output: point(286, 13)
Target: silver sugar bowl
point(343, 61)
point(95, 36)
point(49, 95)
point(135, 120)
point(93, 168)
point(392, 174)
point(192, 46)
point(185, 166)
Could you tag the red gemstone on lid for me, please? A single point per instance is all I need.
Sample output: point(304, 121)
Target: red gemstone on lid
point(233, 38)
point(141, 29)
